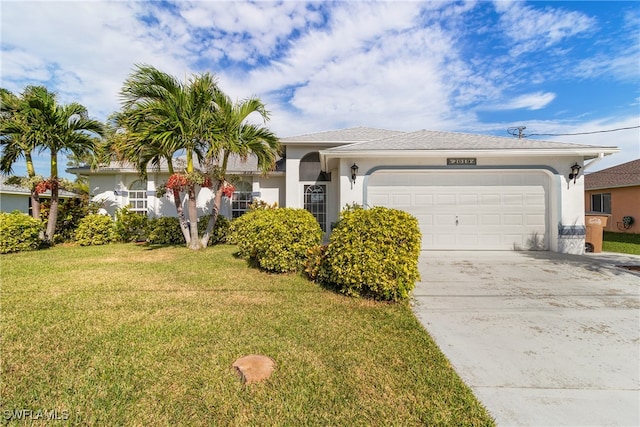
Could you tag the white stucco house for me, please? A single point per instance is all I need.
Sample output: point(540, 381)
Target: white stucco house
point(468, 192)
point(17, 198)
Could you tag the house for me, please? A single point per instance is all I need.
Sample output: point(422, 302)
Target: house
point(468, 192)
point(17, 198)
point(616, 191)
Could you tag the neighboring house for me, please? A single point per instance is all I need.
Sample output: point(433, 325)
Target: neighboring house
point(16, 198)
point(468, 192)
point(616, 191)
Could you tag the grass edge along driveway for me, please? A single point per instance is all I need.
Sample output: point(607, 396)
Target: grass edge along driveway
point(131, 335)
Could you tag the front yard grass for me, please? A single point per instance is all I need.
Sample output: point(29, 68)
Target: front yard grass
point(129, 335)
point(626, 243)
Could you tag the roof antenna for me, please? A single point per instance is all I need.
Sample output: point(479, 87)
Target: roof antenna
point(519, 129)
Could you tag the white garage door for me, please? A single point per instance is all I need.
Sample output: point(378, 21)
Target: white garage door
point(458, 210)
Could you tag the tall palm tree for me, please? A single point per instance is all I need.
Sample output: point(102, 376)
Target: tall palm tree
point(163, 117)
point(236, 137)
point(59, 129)
point(16, 141)
point(125, 145)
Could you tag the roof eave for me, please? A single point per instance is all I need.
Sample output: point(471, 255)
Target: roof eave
point(607, 187)
point(585, 152)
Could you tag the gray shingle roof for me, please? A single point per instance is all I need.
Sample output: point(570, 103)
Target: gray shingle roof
point(235, 165)
point(16, 189)
point(439, 140)
point(343, 136)
point(624, 175)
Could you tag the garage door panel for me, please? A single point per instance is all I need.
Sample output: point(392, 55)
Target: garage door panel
point(468, 199)
point(401, 199)
point(495, 210)
point(468, 220)
point(445, 199)
point(423, 199)
point(490, 219)
point(515, 199)
point(536, 220)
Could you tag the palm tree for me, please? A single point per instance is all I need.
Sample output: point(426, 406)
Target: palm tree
point(16, 141)
point(235, 136)
point(124, 145)
point(164, 117)
point(59, 129)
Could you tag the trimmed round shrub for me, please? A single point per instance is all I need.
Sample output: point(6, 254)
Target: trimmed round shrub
point(130, 226)
point(165, 231)
point(220, 229)
point(19, 232)
point(276, 239)
point(373, 253)
point(95, 229)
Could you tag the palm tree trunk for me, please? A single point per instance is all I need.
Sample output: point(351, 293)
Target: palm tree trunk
point(213, 218)
point(177, 200)
point(53, 211)
point(194, 242)
point(181, 219)
point(35, 198)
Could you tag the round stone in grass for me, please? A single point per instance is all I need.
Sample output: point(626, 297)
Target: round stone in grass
point(254, 368)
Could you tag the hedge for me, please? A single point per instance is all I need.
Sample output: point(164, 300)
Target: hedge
point(95, 229)
point(19, 232)
point(276, 240)
point(372, 253)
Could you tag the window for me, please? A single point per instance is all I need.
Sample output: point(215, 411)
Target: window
point(138, 197)
point(242, 198)
point(310, 168)
point(601, 203)
point(315, 201)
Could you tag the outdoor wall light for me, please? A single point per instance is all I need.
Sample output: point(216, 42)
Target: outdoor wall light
point(354, 172)
point(575, 170)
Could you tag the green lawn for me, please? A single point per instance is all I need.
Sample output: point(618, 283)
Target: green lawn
point(625, 243)
point(127, 335)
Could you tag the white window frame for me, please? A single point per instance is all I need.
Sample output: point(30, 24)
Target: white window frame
point(138, 202)
point(241, 199)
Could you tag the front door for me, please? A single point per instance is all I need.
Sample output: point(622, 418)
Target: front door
point(315, 201)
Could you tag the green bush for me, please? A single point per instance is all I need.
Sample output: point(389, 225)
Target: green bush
point(19, 232)
point(130, 226)
point(373, 253)
point(165, 231)
point(70, 212)
point(220, 229)
point(276, 239)
point(95, 229)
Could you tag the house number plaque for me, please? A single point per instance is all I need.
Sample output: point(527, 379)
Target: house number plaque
point(464, 161)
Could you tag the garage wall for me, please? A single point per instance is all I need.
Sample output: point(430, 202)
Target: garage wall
point(566, 199)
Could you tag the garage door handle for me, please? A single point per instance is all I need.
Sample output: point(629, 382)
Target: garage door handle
point(456, 220)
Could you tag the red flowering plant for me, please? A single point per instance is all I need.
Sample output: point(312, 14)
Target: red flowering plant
point(228, 189)
point(180, 181)
point(177, 182)
point(46, 184)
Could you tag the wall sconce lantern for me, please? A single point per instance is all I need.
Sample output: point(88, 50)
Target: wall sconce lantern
point(575, 170)
point(354, 172)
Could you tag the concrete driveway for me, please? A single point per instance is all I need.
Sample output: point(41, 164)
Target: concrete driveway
point(543, 339)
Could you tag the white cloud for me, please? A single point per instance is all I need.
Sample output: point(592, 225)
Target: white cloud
point(530, 28)
point(530, 101)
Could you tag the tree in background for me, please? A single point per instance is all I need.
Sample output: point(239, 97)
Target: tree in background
point(47, 125)
point(16, 141)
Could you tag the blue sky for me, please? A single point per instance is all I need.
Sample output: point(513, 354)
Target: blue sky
point(477, 67)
